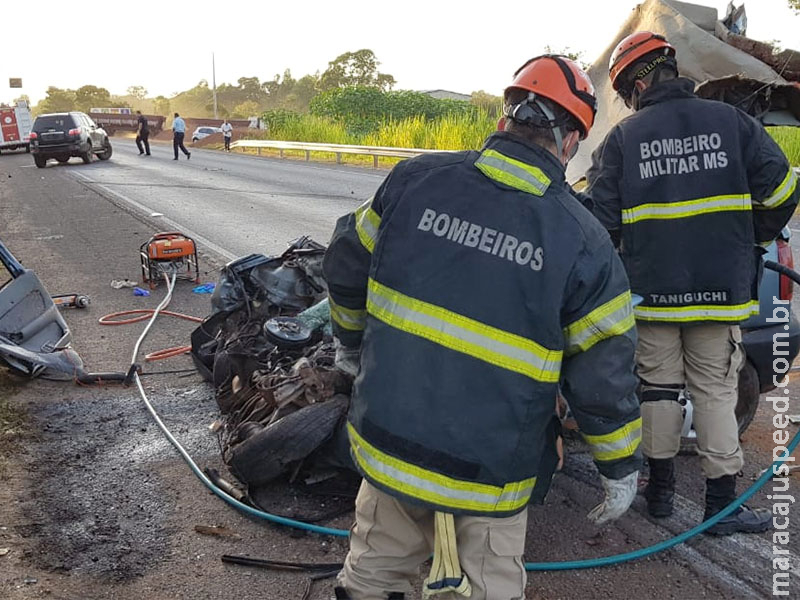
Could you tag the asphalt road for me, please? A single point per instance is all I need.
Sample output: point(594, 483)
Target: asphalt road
point(232, 203)
point(101, 507)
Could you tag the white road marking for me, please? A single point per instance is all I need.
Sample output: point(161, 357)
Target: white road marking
point(227, 254)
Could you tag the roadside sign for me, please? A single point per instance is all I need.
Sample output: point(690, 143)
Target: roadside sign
point(15, 82)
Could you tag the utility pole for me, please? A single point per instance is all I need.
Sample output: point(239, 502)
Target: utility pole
point(214, 83)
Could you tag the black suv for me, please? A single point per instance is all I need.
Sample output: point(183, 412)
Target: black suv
point(63, 135)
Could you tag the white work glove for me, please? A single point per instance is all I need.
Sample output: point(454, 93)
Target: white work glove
point(619, 496)
point(346, 359)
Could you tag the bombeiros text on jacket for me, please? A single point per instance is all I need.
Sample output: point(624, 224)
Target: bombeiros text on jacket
point(471, 235)
point(677, 156)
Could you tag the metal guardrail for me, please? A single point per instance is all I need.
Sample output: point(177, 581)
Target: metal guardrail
point(337, 149)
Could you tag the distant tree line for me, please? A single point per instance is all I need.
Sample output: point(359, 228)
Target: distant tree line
point(249, 96)
point(352, 90)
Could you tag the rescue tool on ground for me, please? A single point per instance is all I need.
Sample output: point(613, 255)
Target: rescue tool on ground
point(34, 338)
point(168, 252)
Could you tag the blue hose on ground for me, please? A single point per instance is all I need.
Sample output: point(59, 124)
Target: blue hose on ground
point(678, 539)
point(543, 566)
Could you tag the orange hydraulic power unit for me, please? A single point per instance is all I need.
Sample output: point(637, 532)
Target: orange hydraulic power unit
point(169, 252)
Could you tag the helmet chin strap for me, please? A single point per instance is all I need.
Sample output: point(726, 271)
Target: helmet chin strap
point(658, 66)
point(556, 129)
point(537, 113)
point(635, 93)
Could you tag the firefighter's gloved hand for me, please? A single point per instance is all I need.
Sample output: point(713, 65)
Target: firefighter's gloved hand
point(619, 496)
point(347, 359)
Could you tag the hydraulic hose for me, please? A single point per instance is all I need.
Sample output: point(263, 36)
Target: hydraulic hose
point(678, 539)
point(529, 566)
point(185, 455)
point(142, 315)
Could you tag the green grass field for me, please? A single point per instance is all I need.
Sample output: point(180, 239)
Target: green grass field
point(788, 139)
point(454, 132)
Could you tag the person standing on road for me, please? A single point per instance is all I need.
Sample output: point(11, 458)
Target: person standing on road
point(461, 294)
point(142, 134)
point(692, 190)
point(227, 132)
point(178, 132)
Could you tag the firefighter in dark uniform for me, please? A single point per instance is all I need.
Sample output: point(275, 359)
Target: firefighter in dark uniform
point(461, 294)
point(691, 190)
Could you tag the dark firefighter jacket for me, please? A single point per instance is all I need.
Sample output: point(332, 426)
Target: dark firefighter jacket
point(691, 187)
point(478, 283)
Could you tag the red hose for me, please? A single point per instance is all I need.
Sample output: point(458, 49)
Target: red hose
point(143, 315)
point(167, 353)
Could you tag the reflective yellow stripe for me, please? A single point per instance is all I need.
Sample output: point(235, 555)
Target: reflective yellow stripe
point(618, 444)
point(688, 208)
point(782, 193)
point(513, 173)
point(462, 334)
point(348, 318)
point(367, 224)
point(737, 312)
point(615, 317)
point(436, 488)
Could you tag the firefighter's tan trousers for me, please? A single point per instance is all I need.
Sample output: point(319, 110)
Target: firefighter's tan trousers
point(391, 539)
point(706, 358)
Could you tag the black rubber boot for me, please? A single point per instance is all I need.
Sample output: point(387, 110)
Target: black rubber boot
point(720, 493)
point(660, 489)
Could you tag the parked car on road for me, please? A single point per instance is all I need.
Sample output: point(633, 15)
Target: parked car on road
point(758, 335)
point(204, 131)
point(64, 135)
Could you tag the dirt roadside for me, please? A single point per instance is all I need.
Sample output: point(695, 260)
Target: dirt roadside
point(95, 504)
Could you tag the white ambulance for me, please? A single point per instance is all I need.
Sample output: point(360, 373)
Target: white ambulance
point(15, 126)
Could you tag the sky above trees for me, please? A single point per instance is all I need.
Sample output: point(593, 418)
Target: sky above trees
point(167, 47)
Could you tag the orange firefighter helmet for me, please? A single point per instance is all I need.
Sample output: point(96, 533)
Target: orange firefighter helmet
point(631, 49)
point(561, 81)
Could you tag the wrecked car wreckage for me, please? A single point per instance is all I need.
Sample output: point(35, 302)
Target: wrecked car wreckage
point(268, 351)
